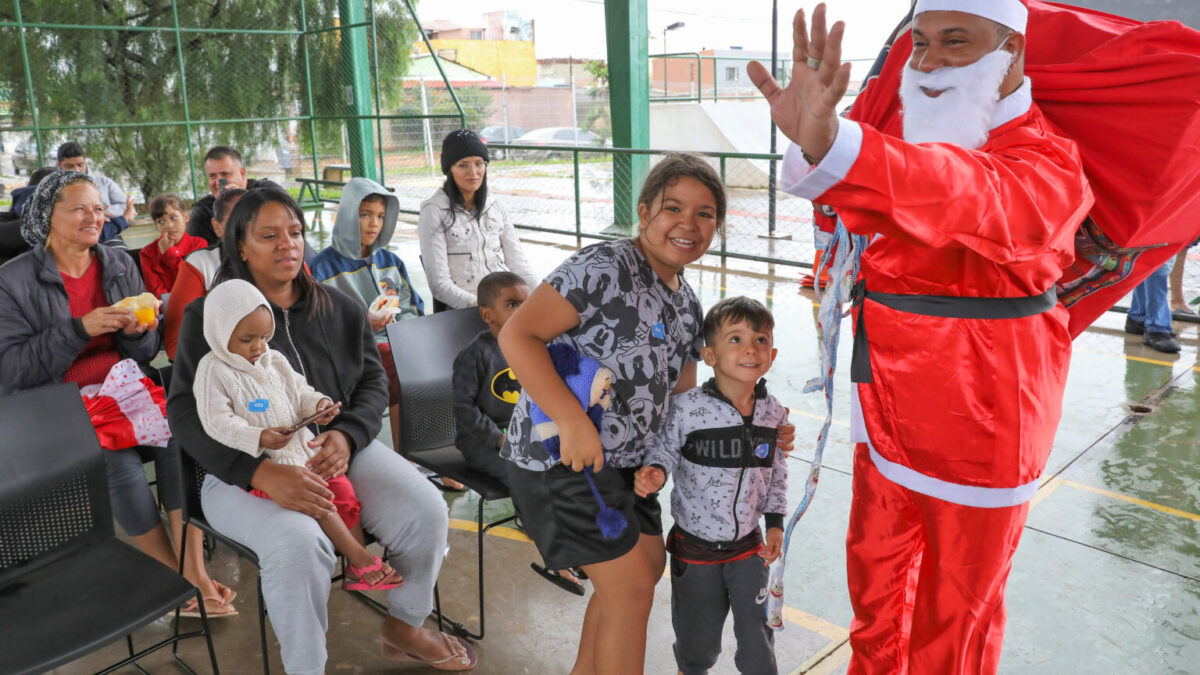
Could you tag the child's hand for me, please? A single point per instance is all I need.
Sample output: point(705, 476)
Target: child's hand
point(130, 210)
point(648, 480)
point(274, 438)
point(785, 437)
point(379, 319)
point(773, 546)
point(579, 444)
point(330, 409)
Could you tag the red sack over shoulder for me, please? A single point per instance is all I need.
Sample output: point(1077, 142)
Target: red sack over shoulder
point(127, 409)
point(1128, 93)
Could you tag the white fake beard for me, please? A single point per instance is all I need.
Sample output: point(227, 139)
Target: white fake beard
point(962, 115)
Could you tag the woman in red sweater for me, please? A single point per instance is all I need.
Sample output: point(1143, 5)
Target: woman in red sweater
point(58, 324)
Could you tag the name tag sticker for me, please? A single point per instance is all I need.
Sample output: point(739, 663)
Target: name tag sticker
point(762, 450)
point(259, 405)
point(659, 331)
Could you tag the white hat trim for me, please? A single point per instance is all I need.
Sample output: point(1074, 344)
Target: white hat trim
point(1011, 13)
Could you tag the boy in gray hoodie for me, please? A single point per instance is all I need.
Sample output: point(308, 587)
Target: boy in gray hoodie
point(359, 264)
point(718, 442)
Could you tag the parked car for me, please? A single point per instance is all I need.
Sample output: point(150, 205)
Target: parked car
point(25, 159)
point(495, 134)
point(569, 136)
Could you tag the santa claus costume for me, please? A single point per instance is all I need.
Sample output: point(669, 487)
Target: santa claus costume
point(960, 359)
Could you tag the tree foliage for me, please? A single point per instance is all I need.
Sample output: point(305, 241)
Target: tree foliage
point(91, 77)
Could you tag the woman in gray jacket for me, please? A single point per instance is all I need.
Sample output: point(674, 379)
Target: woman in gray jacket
point(465, 236)
point(57, 324)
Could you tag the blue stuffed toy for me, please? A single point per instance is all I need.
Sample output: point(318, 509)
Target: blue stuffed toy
point(591, 384)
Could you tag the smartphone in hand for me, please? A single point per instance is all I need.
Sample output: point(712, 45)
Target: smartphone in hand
point(309, 420)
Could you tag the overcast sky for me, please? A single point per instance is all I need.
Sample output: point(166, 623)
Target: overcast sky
point(576, 27)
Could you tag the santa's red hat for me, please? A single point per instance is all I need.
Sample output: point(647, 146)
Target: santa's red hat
point(1011, 13)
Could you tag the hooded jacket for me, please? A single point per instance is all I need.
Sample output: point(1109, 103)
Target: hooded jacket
point(334, 351)
point(237, 399)
point(458, 250)
point(38, 337)
point(728, 472)
point(381, 272)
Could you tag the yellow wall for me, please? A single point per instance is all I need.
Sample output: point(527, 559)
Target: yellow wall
point(512, 58)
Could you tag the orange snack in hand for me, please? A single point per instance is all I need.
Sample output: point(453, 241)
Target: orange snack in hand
point(144, 306)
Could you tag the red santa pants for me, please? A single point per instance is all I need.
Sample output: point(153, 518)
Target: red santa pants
point(349, 509)
point(926, 578)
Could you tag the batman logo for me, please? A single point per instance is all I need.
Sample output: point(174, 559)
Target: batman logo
point(505, 387)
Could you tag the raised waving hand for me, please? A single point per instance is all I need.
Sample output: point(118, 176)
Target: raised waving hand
point(806, 110)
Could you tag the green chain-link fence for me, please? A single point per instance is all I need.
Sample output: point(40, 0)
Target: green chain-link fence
point(148, 86)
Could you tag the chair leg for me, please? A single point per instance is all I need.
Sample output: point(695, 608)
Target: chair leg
point(437, 607)
point(479, 559)
point(262, 626)
point(182, 557)
point(212, 652)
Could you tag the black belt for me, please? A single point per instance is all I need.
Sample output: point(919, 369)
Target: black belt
point(946, 306)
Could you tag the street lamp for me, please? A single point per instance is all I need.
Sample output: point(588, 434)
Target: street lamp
point(666, 61)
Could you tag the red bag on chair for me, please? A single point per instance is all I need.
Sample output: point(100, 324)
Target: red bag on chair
point(128, 409)
point(1128, 93)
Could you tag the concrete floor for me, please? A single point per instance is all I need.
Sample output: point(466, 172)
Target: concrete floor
point(1107, 578)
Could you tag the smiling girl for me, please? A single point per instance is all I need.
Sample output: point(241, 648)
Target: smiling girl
point(626, 304)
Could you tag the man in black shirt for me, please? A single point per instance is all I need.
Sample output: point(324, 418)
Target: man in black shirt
point(221, 163)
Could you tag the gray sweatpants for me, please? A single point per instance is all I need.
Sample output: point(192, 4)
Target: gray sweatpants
point(399, 507)
point(701, 597)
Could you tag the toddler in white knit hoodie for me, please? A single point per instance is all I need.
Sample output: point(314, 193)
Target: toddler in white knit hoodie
point(248, 396)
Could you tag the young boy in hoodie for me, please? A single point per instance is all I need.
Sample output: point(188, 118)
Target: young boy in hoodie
point(249, 398)
point(718, 442)
point(359, 264)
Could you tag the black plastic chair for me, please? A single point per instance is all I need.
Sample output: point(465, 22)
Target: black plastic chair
point(424, 349)
point(193, 514)
point(68, 586)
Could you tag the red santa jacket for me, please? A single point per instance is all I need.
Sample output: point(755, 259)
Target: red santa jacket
point(1128, 94)
point(962, 409)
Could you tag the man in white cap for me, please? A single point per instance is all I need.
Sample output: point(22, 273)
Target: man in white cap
point(959, 385)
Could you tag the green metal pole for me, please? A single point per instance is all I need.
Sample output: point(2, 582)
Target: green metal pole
point(375, 81)
point(627, 28)
point(33, 107)
point(312, 125)
point(358, 89)
point(187, 117)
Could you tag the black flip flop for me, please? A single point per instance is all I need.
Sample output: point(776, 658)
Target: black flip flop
point(553, 577)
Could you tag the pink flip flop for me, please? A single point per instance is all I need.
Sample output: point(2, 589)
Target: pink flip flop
point(361, 584)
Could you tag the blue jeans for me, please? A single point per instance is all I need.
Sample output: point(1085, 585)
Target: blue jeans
point(1151, 302)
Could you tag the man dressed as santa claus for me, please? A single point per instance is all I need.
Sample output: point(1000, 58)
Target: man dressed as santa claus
point(961, 350)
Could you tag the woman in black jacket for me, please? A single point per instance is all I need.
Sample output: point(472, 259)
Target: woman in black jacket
point(57, 324)
point(325, 335)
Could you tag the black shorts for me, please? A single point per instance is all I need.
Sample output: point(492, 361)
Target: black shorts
point(559, 512)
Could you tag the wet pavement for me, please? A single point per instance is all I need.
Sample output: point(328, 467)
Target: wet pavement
point(1106, 580)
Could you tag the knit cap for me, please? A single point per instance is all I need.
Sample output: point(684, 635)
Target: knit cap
point(35, 219)
point(461, 143)
point(226, 305)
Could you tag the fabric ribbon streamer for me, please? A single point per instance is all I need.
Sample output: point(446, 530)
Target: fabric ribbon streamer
point(841, 261)
point(128, 409)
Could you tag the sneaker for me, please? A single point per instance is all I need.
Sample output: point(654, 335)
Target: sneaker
point(1162, 342)
point(1135, 327)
